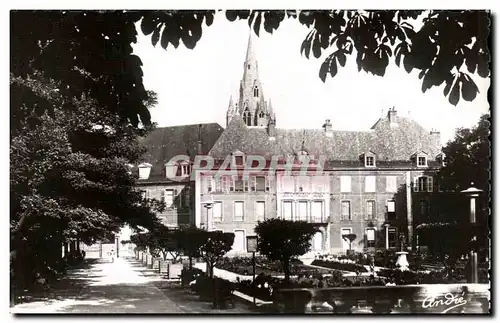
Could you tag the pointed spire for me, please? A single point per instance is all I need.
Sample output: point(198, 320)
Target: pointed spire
point(231, 105)
point(250, 50)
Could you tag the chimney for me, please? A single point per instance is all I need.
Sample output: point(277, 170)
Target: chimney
point(328, 127)
point(271, 128)
point(391, 115)
point(200, 149)
point(435, 137)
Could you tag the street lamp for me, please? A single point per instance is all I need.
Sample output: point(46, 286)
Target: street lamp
point(208, 205)
point(252, 242)
point(473, 193)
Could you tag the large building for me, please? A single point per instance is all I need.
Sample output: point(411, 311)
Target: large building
point(371, 183)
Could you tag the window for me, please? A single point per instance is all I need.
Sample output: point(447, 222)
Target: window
point(168, 198)
point(268, 183)
point(187, 196)
point(239, 160)
point(238, 211)
point(238, 184)
point(424, 208)
point(260, 210)
point(421, 161)
point(261, 114)
point(317, 211)
point(370, 237)
point(247, 118)
point(210, 187)
point(217, 212)
point(255, 91)
point(391, 206)
point(302, 211)
point(239, 244)
point(345, 183)
point(185, 169)
point(370, 183)
point(260, 183)
point(346, 210)
point(423, 184)
point(391, 184)
point(370, 210)
point(287, 210)
point(393, 238)
point(144, 170)
point(370, 161)
point(248, 66)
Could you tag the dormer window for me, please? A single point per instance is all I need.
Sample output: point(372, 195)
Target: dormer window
point(144, 170)
point(440, 159)
point(185, 169)
point(369, 159)
point(238, 158)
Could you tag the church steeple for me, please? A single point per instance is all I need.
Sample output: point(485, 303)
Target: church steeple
point(230, 111)
point(251, 104)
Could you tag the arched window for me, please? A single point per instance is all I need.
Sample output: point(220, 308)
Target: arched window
point(261, 114)
point(247, 118)
point(256, 91)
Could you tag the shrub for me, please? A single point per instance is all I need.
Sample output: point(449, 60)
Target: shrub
point(339, 265)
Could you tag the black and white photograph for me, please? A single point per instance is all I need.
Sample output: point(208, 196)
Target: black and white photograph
point(250, 162)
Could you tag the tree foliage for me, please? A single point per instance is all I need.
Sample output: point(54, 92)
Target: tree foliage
point(467, 160)
point(215, 245)
point(281, 240)
point(69, 177)
point(90, 51)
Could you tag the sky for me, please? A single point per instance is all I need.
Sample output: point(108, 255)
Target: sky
point(194, 86)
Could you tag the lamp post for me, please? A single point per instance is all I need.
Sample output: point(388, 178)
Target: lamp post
point(473, 193)
point(252, 242)
point(208, 205)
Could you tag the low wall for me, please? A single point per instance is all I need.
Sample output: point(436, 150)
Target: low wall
point(432, 299)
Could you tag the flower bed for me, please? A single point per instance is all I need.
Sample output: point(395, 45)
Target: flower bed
point(343, 265)
point(243, 266)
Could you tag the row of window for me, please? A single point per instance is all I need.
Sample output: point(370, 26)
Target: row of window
point(308, 184)
point(238, 184)
point(370, 210)
point(371, 237)
point(172, 197)
point(311, 211)
point(238, 211)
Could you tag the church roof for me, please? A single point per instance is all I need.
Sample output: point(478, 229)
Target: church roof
point(390, 142)
point(164, 143)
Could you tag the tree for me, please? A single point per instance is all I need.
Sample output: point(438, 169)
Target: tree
point(281, 240)
point(215, 245)
point(171, 243)
point(447, 42)
point(69, 177)
point(191, 240)
point(90, 52)
point(350, 238)
point(467, 160)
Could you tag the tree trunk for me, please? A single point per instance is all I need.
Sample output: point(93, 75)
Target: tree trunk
point(286, 269)
point(190, 262)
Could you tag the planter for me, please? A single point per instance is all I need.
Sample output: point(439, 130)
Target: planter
point(402, 262)
point(163, 267)
point(156, 264)
point(149, 261)
point(174, 270)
